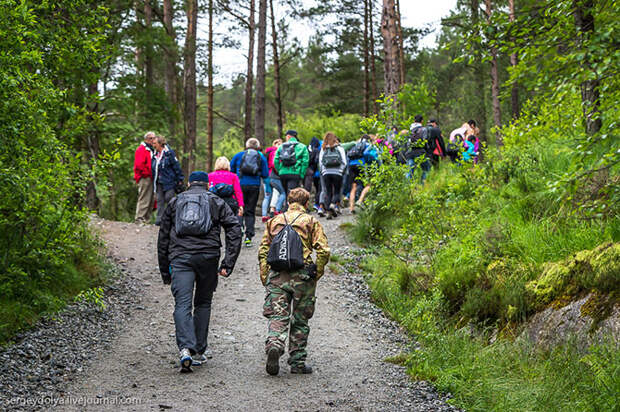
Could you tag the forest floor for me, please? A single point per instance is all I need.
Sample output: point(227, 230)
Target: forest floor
point(137, 368)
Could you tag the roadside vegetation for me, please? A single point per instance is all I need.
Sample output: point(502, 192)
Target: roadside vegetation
point(463, 261)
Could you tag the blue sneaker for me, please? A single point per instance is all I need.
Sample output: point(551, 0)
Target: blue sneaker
point(186, 361)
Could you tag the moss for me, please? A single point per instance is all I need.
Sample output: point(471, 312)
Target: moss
point(599, 307)
point(597, 269)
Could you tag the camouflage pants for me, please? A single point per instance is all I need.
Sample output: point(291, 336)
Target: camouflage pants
point(285, 291)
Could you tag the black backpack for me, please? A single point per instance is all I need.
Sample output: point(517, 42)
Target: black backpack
point(222, 190)
point(288, 157)
point(357, 151)
point(193, 214)
point(331, 157)
point(286, 251)
point(250, 163)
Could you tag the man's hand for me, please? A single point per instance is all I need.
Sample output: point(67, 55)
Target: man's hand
point(166, 278)
point(223, 273)
point(240, 213)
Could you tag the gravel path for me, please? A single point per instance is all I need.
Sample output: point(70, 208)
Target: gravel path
point(126, 358)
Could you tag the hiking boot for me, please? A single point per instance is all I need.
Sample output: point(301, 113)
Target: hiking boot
point(303, 368)
point(248, 242)
point(199, 360)
point(321, 212)
point(186, 361)
point(273, 361)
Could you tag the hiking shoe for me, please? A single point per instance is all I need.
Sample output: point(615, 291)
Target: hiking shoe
point(316, 208)
point(321, 212)
point(265, 218)
point(273, 361)
point(186, 361)
point(330, 216)
point(337, 210)
point(303, 368)
point(208, 353)
point(248, 242)
point(199, 360)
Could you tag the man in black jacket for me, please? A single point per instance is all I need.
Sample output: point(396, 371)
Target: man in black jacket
point(436, 145)
point(185, 260)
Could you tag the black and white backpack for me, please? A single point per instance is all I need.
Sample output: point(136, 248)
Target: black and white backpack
point(287, 250)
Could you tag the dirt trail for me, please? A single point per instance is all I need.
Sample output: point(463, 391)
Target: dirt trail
point(346, 346)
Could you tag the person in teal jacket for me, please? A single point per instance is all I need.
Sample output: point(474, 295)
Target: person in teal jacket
point(291, 162)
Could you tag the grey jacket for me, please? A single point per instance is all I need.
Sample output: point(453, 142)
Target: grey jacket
point(333, 170)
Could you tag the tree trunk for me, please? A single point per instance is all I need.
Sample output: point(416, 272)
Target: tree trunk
point(401, 43)
point(93, 149)
point(514, 92)
point(210, 91)
point(259, 120)
point(148, 51)
point(497, 118)
point(189, 86)
point(171, 66)
point(276, 70)
point(590, 94)
point(366, 62)
point(249, 78)
point(373, 71)
point(391, 64)
point(479, 77)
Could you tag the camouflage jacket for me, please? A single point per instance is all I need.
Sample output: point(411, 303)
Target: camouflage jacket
point(310, 231)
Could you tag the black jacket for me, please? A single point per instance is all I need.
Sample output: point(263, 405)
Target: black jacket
point(169, 245)
point(435, 138)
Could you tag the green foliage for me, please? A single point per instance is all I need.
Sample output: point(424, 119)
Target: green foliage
point(486, 232)
point(345, 126)
point(500, 376)
point(92, 296)
point(47, 252)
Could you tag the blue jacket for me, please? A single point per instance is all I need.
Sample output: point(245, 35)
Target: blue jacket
point(167, 171)
point(235, 166)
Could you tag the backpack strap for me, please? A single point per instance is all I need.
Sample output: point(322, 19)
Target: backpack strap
point(292, 221)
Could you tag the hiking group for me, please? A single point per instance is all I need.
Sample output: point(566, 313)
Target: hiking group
point(191, 220)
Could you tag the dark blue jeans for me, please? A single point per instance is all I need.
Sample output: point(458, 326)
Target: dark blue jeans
point(425, 166)
point(192, 329)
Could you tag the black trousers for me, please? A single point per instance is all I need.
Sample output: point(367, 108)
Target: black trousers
point(290, 182)
point(331, 189)
point(250, 199)
point(193, 276)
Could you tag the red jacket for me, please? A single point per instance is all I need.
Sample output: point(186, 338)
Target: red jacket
point(142, 162)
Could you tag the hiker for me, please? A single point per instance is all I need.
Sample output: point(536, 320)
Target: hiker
point(453, 150)
point(290, 277)
point(371, 156)
point(273, 203)
point(332, 164)
point(313, 176)
point(346, 178)
point(417, 152)
point(168, 176)
point(225, 184)
point(143, 175)
point(188, 251)
point(250, 166)
point(469, 154)
point(291, 162)
point(436, 145)
point(356, 166)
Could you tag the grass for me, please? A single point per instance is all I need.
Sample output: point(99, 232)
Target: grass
point(503, 376)
point(43, 298)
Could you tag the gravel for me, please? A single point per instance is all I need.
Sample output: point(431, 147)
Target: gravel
point(125, 356)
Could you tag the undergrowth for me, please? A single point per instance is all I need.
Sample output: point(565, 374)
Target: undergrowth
point(479, 249)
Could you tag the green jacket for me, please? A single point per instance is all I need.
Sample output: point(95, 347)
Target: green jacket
point(300, 166)
point(347, 145)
